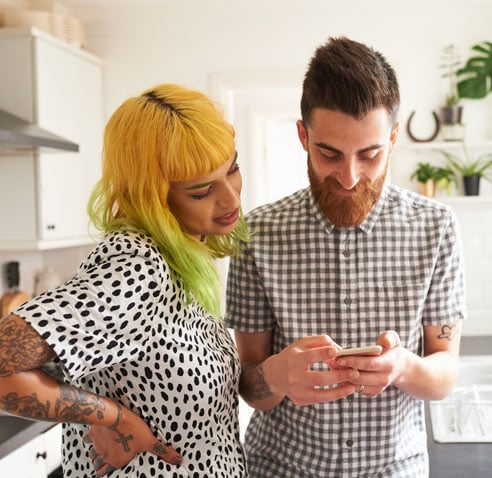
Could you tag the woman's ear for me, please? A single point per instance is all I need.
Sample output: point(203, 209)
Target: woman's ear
point(302, 133)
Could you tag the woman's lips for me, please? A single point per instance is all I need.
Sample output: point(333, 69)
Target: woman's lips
point(229, 218)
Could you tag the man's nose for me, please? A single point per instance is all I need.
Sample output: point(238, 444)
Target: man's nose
point(348, 176)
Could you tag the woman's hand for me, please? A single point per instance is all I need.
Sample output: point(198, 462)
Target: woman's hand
point(114, 447)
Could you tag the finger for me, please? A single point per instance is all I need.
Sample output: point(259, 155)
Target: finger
point(87, 439)
point(315, 341)
point(105, 470)
point(389, 339)
point(332, 377)
point(98, 462)
point(311, 396)
point(167, 453)
point(92, 453)
point(314, 355)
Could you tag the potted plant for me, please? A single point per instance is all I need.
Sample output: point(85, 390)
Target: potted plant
point(429, 177)
point(471, 170)
point(475, 78)
point(452, 111)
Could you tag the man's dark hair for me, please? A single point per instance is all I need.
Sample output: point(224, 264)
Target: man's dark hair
point(349, 77)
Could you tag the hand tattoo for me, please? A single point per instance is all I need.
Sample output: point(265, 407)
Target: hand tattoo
point(123, 439)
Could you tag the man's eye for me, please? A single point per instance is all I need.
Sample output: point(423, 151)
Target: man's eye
point(330, 157)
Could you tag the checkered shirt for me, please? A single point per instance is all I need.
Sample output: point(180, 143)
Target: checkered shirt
point(401, 269)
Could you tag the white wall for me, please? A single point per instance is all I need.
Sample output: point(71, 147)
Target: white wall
point(145, 42)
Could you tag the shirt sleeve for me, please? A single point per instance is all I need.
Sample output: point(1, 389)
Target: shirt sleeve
point(247, 304)
point(445, 301)
point(103, 315)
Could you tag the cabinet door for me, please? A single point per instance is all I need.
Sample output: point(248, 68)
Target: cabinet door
point(68, 103)
point(28, 461)
point(53, 444)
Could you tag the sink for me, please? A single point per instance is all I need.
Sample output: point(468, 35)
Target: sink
point(465, 416)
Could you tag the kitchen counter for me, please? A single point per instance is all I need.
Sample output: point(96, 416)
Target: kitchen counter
point(15, 432)
point(458, 460)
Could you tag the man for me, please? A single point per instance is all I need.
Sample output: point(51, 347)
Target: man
point(348, 262)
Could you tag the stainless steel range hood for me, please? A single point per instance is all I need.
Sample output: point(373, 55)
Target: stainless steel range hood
point(17, 134)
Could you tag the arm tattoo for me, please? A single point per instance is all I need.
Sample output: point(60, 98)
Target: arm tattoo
point(252, 385)
point(72, 405)
point(21, 348)
point(448, 331)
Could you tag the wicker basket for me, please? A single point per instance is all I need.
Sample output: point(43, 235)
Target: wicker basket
point(65, 27)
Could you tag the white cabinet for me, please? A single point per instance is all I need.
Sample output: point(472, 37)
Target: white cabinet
point(36, 458)
point(44, 193)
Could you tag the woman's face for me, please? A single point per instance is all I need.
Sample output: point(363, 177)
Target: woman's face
point(208, 205)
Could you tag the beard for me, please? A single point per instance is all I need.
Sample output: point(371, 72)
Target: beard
point(346, 211)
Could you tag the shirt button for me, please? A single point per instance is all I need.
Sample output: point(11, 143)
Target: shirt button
point(350, 443)
point(346, 253)
point(350, 398)
point(347, 300)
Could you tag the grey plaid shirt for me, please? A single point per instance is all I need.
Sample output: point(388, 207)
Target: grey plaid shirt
point(402, 268)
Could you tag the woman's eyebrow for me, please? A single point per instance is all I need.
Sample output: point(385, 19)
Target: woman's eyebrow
point(203, 185)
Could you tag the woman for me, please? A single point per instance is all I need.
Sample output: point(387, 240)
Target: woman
point(149, 371)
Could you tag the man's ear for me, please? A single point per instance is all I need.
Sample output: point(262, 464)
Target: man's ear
point(302, 133)
point(394, 136)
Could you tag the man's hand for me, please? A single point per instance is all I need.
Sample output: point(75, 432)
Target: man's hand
point(376, 373)
point(289, 372)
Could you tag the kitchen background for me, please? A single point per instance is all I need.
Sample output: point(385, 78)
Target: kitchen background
point(251, 56)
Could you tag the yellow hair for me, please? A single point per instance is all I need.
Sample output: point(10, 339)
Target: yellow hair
point(168, 133)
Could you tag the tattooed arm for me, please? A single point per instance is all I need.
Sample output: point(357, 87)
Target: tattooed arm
point(116, 433)
point(266, 379)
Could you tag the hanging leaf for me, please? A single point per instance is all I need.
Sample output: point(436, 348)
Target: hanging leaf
point(476, 75)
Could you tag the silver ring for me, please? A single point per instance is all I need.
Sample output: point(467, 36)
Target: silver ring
point(361, 388)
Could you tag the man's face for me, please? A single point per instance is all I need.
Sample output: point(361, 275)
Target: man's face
point(348, 160)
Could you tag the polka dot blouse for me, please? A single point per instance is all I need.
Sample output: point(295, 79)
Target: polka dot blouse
point(121, 328)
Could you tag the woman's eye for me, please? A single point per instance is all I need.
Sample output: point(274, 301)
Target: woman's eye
point(234, 169)
point(202, 195)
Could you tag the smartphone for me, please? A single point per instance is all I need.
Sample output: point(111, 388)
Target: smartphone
point(371, 350)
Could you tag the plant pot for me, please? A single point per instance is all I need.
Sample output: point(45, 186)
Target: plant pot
point(471, 185)
point(451, 114)
point(428, 189)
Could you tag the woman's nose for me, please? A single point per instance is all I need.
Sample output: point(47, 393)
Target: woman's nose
point(230, 194)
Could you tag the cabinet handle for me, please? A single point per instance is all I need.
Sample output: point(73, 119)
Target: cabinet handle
point(43, 455)
point(51, 227)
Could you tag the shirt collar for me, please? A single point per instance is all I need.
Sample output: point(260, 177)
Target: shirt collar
point(369, 222)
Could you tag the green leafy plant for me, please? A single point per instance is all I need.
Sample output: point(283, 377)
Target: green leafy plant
point(450, 65)
point(475, 78)
point(444, 176)
point(478, 166)
point(424, 172)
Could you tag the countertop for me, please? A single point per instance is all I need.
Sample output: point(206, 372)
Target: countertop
point(458, 460)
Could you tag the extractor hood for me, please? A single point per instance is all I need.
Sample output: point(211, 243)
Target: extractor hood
point(17, 134)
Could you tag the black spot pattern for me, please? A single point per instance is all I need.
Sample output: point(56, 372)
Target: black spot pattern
point(121, 328)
